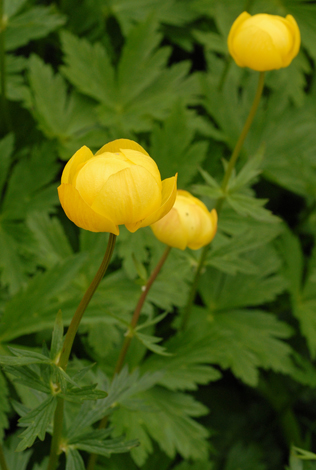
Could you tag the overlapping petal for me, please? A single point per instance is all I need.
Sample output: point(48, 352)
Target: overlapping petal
point(264, 42)
point(119, 185)
point(78, 211)
point(137, 192)
point(169, 192)
point(188, 224)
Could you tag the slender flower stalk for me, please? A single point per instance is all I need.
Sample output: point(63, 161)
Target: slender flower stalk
point(3, 463)
point(130, 334)
point(68, 342)
point(137, 311)
point(219, 203)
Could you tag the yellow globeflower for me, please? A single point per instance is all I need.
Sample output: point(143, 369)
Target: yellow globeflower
point(188, 224)
point(119, 185)
point(264, 42)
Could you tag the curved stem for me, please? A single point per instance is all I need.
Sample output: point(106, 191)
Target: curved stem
point(139, 306)
point(68, 342)
point(219, 203)
point(3, 463)
point(129, 336)
point(76, 319)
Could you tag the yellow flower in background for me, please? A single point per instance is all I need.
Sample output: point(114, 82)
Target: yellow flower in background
point(264, 42)
point(119, 185)
point(188, 224)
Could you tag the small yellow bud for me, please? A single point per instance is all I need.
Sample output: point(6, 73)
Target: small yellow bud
point(119, 185)
point(264, 42)
point(188, 224)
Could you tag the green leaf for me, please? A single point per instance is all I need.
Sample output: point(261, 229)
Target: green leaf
point(248, 173)
point(185, 368)
point(249, 206)
point(245, 340)
point(57, 336)
point(170, 424)
point(97, 442)
point(170, 12)
point(74, 460)
point(12, 263)
point(35, 307)
point(173, 149)
point(145, 89)
point(4, 406)
point(229, 254)
point(88, 68)
point(78, 395)
point(37, 422)
point(29, 378)
point(70, 119)
point(223, 291)
point(33, 24)
point(121, 390)
point(151, 343)
point(16, 89)
point(14, 459)
point(303, 297)
point(29, 188)
point(52, 244)
point(23, 357)
point(211, 40)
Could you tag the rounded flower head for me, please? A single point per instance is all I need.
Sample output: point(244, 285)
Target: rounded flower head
point(119, 185)
point(264, 42)
point(188, 224)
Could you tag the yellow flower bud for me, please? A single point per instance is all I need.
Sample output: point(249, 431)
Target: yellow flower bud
point(264, 42)
point(188, 224)
point(119, 185)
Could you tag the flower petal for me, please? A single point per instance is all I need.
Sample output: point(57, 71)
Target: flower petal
point(119, 144)
point(94, 174)
point(169, 230)
point(169, 192)
point(207, 232)
point(81, 214)
point(145, 161)
point(231, 36)
point(257, 49)
point(296, 39)
point(128, 196)
point(81, 156)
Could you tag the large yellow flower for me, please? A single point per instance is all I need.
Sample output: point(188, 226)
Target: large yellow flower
point(188, 224)
point(119, 185)
point(264, 42)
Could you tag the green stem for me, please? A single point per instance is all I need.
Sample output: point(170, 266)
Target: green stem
point(129, 336)
point(139, 306)
point(58, 427)
point(3, 85)
point(3, 463)
point(68, 342)
point(219, 204)
point(73, 327)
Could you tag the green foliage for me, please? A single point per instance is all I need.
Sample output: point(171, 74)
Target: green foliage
point(36, 422)
point(235, 388)
point(140, 90)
